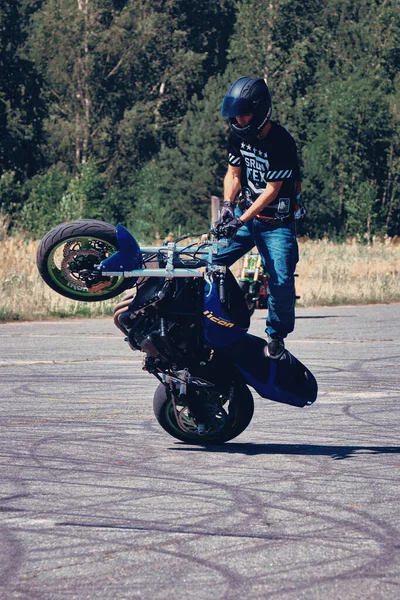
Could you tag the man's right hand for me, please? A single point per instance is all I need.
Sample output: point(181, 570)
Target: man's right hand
point(227, 229)
point(216, 228)
point(226, 214)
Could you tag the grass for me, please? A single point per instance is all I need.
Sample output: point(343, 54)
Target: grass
point(23, 294)
point(348, 273)
point(329, 273)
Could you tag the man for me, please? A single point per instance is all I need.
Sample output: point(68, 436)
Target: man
point(263, 167)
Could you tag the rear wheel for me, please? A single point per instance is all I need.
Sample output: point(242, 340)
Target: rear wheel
point(67, 255)
point(224, 417)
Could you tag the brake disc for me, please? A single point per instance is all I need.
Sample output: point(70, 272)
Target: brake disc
point(71, 255)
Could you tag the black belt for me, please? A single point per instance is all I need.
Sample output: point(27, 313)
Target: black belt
point(275, 220)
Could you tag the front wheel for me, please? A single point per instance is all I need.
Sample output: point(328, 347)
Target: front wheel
point(225, 416)
point(67, 255)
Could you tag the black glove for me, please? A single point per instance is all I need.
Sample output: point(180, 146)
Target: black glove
point(229, 228)
point(226, 214)
point(227, 211)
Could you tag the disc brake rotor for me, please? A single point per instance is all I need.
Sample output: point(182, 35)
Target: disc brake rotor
point(185, 420)
point(76, 259)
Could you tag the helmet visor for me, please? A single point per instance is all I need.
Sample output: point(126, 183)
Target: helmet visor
point(236, 107)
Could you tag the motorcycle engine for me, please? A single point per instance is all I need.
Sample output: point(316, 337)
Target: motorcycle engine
point(165, 321)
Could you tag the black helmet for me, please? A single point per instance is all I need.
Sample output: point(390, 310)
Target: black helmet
point(247, 95)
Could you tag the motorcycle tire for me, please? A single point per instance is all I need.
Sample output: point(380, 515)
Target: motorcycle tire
point(180, 424)
point(251, 303)
point(72, 249)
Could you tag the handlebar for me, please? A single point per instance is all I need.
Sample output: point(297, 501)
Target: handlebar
point(202, 245)
point(199, 255)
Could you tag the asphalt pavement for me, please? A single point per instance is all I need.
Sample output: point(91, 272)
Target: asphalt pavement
point(98, 502)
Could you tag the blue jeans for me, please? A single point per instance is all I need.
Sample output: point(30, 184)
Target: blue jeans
point(279, 252)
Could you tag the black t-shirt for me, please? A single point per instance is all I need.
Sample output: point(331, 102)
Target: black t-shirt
point(273, 158)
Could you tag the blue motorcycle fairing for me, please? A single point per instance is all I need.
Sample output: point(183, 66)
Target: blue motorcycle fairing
point(128, 255)
point(285, 380)
point(219, 330)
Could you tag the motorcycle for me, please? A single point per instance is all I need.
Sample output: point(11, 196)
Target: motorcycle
point(253, 281)
point(189, 318)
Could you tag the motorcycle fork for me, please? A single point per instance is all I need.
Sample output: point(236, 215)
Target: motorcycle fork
point(196, 409)
point(171, 393)
point(195, 403)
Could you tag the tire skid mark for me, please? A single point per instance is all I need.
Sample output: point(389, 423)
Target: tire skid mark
point(278, 520)
point(349, 411)
point(12, 555)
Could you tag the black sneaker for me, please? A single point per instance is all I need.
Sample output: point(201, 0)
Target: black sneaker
point(275, 348)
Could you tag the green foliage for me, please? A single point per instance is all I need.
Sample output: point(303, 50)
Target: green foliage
point(194, 168)
point(347, 154)
point(21, 109)
point(55, 197)
point(118, 76)
point(84, 197)
point(150, 219)
point(137, 143)
point(41, 210)
point(110, 109)
point(10, 193)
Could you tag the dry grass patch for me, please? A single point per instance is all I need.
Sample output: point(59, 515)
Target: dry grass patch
point(329, 273)
point(24, 296)
point(348, 273)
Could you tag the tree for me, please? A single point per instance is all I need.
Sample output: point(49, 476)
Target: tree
point(63, 43)
point(122, 99)
point(193, 170)
point(21, 110)
point(151, 218)
point(114, 71)
point(331, 73)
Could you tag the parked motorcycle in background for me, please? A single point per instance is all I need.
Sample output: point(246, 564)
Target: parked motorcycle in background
point(189, 318)
point(253, 281)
